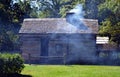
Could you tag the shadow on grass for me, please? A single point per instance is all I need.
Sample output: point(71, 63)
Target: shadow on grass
point(14, 75)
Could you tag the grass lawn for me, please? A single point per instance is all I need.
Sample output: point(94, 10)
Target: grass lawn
point(71, 71)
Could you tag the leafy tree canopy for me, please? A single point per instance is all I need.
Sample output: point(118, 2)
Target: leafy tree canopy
point(110, 15)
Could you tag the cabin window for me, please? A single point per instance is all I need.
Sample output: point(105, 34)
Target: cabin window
point(59, 49)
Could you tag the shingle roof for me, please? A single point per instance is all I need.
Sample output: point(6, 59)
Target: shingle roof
point(56, 25)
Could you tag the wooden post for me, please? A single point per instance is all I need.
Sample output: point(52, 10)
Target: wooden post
point(29, 57)
point(64, 58)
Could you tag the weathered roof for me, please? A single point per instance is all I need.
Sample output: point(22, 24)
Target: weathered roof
point(56, 25)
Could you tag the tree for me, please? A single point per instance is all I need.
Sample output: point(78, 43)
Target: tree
point(20, 10)
point(5, 42)
point(5, 10)
point(55, 8)
point(91, 9)
point(110, 15)
point(11, 16)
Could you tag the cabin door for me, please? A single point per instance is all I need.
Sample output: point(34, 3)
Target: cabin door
point(58, 51)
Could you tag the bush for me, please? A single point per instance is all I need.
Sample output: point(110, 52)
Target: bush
point(11, 63)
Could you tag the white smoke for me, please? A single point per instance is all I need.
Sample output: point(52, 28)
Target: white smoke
point(78, 11)
point(76, 16)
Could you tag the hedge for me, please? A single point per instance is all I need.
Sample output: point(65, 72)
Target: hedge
point(11, 63)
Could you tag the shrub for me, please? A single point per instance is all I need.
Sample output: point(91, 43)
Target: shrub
point(11, 63)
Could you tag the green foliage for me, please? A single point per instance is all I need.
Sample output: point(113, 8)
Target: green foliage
point(14, 38)
point(5, 10)
point(110, 4)
point(5, 42)
point(10, 12)
point(109, 13)
point(56, 8)
point(11, 16)
point(110, 9)
point(113, 31)
point(91, 9)
point(20, 10)
point(10, 63)
point(106, 28)
point(8, 41)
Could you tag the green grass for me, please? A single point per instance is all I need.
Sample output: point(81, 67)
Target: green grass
point(71, 71)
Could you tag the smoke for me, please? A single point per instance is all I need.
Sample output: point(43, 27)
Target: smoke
point(84, 45)
point(76, 16)
point(78, 11)
point(80, 43)
point(76, 47)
